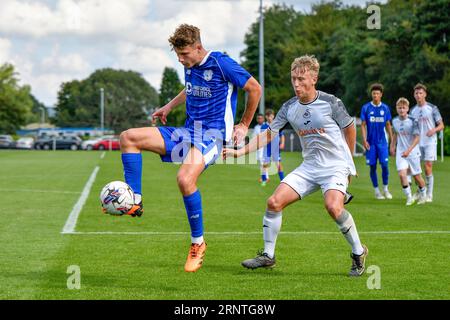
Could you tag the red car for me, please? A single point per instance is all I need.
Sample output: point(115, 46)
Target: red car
point(107, 144)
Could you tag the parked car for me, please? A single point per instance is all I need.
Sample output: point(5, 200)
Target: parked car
point(60, 142)
point(106, 144)
point(25, 143)
point(6, 141)
point(89, 144)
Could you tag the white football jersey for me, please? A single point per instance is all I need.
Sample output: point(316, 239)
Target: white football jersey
point(428, 117)
point(406, 130)
point(319, 124)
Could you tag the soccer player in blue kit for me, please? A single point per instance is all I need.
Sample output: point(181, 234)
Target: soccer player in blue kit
point(210, 93)
point(272, 151)
point(375, 117)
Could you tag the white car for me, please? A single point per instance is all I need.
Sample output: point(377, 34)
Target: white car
point(89, 144)
point(25, 143)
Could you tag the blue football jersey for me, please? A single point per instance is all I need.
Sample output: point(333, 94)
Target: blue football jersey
point(211, 92)
point(376, 118)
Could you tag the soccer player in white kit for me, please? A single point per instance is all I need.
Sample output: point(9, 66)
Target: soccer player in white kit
point(406, 140)
point(318, 119)
point(430, 122)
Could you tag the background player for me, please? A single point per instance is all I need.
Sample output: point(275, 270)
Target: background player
point(272, 151)
point(318, 118)
point(259, 152)
point(430, 122)
point(375, 117)
point(406, 140)
point(211, 81)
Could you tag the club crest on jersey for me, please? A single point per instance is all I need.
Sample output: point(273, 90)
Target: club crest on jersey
point(382, 112)
point(188, 71)
point(207, 75)
point(188, 88)
point(307, 114)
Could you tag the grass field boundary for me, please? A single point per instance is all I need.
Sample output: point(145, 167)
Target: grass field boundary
point(71, 222)
point(238, 233)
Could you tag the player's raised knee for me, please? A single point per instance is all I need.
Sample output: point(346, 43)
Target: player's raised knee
point(274, 204)
point(186, 182)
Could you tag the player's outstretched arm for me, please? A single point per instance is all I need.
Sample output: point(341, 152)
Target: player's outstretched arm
point(254, 144)
point(253, 88)
point(162, 113)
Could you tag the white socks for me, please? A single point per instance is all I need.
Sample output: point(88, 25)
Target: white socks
point(271, 228)
point(348, 228)
point(430, 183)
point(197, 240)
point(407, 191)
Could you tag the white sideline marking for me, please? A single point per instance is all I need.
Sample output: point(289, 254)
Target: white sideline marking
point(103, 155)
point(156, 233)
point(71, 222)
point(40, 191)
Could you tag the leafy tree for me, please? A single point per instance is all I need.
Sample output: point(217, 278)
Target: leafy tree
point(15, 101)
point(36, 111)
point(411, 46)
point(170, 88)
point(128, 100)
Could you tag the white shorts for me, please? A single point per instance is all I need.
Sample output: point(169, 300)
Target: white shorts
point(429, 152)
point(306, 180)
point(410, 162)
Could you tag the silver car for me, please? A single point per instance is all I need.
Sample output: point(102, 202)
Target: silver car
point(25, 143)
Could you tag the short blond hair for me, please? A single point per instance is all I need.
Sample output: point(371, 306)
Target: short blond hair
point(185, 35)
point(306, 63)
point(402, 102)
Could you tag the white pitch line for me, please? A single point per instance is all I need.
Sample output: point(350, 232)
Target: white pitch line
point(71, 222)
point(40, 191)
point(102, 155)
point(156, 233)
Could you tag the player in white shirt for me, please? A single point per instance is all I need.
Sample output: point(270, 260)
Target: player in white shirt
point(430, 122)
point(318, 118)
point(406, 140)
point(259, 152)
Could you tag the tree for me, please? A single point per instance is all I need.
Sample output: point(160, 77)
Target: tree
point(36, 111)
point(128, 100)
point(411, 46)
point(15, 101)
point(170, 88)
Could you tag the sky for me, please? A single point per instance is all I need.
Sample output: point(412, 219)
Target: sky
point(55, 41)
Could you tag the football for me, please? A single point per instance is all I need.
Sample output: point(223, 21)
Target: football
point(117, 198)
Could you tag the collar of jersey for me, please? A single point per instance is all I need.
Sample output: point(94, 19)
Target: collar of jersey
point(205, 58)
point(317, 96)
point(379, 105)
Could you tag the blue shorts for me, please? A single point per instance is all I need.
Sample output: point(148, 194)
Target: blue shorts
point(178, 142)
point(377, 151)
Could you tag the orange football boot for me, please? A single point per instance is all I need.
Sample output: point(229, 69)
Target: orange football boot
point(195, 257)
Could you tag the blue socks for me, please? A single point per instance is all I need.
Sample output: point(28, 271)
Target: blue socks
point(385, 174)
point(373, 176)
point(281, 175)
point(193, 204)
point(264, 177)
point(132, 167)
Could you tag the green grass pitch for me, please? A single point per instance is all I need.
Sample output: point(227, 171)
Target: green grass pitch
point(144, 258)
